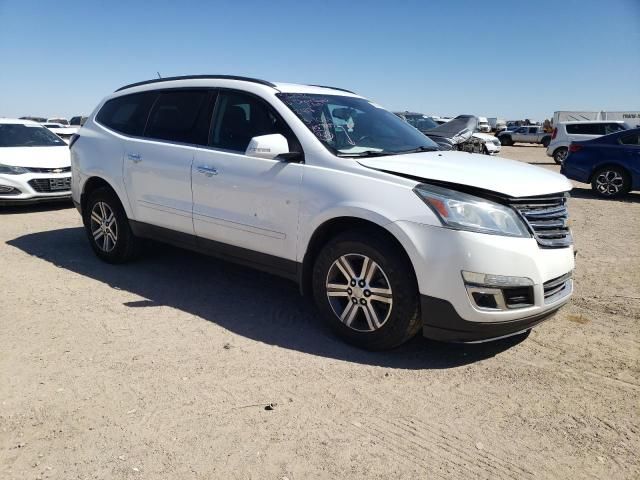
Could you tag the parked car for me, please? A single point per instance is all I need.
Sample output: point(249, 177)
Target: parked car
point(566, 132)
point(611, 163)
point(418, 120)
point(34, 163)
point(483, 125)
point(530, 134)
point(35, 119)
point(388, 234)
point(77, 121)
point(63, 131)
point(497, 124)
point(490, 144)
point(60, 120)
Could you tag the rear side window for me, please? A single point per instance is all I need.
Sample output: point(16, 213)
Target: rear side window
point(633, 139)
point(613, 127)
point(585, 129)
point(127, 114)
point(181, 116)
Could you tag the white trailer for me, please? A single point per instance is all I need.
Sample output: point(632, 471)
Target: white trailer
point(631, 117)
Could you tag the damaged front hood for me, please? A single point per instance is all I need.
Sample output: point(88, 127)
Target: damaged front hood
point(455, 131)
point(495, 174)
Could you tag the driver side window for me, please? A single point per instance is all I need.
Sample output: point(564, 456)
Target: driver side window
point(239, 117)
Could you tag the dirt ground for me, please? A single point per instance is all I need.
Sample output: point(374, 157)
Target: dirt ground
point(161, 369)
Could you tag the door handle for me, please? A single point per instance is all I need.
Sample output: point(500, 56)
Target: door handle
point(134, 157)
point(208, 171)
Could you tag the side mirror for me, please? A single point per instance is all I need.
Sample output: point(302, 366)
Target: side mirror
point(268, 146)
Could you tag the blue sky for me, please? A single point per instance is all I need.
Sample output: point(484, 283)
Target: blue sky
point(510, 59)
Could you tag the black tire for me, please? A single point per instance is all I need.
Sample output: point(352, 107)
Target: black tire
point(546, 141)
point(126, 245)
point(506, 140)
point(611, 182)
point(560, 154)
point(484, 150)
point(403, 319)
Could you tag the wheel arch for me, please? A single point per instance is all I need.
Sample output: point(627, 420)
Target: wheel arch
point(93, 183)
point(331, 228)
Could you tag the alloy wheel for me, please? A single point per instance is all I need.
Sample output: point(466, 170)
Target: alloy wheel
point(359, 292)
point(104, 227)
point(609, 182)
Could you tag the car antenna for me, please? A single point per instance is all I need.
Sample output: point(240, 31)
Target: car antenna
point(159, 76)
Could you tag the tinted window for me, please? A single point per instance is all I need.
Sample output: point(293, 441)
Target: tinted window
point(633, 139)
point(241, 117)
point(180, 116)
point(533, 129)
point(21, 135)
point(127, 114)
point(613, 127)
point(585, 128)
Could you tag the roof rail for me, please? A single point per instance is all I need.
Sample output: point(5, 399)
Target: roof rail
point(198, 77)
point(333, 88)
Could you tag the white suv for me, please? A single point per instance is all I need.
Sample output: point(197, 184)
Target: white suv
point(566, 132)
point(388, 234)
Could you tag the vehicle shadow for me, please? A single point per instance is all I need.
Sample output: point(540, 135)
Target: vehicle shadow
point(36, 207)
point(587, 193)
point(255, 305)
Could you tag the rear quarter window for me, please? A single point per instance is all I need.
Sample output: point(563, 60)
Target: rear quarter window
point(127, 114)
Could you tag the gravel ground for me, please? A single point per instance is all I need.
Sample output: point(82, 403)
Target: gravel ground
point(163, 368)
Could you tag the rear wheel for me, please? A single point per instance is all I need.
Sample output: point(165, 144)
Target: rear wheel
point(560, 155)
point(107, 227)
point(366, 290)
point(611, 182)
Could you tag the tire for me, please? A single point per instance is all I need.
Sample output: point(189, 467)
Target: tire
point(506, 141)
point(546, 141)
point(380, 323)
point(611, 182)
point(484, 150)
point(560, 155)
point(113, 242)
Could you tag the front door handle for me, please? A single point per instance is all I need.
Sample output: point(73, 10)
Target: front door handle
point(134, 157)
point(208, 171)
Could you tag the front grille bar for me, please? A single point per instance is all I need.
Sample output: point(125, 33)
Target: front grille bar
point(547, 218)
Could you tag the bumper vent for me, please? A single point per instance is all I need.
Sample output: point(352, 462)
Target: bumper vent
point(557, 288)
point(547, 217)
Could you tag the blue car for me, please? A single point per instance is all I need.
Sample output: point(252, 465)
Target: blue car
point(611, 164)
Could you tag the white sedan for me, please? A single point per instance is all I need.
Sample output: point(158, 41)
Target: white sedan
point(65, 132)
point(35, 164)
point(491, 144)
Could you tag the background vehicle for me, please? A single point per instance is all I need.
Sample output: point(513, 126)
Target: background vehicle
point(34, 163)
point(497, 124)
point(530, 134)
point(418, 120)
point(611, 163)
point(483, 125)
point(77, 121)
point(326, 188)
point(60, 120)
point(490, 144)
point(566, 132)
point(34, 119)
point(631, 118)
point(63, 131)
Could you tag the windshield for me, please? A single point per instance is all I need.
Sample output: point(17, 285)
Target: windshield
point(21, 135)
point(350, 126)
point(421, 122)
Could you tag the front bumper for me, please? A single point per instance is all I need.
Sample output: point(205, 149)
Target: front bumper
point(440, 255)
point(27, 192)
point(492, 148)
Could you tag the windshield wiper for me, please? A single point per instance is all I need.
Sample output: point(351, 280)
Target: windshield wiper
point(365, 153)
point(418, 149)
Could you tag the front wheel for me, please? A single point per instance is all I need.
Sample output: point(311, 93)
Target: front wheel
point(506, 141)
point(366, 290)
point(560, 155)
point(107, 228)
point(610, 182)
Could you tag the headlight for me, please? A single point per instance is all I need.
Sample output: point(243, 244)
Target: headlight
point(10, 170)
point(466, 212)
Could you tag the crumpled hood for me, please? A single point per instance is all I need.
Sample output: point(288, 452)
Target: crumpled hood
point(508, 177)
point(38, 157)
point(484, 136)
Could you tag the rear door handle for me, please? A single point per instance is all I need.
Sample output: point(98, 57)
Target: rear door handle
point(134, 157)
point(208, 171)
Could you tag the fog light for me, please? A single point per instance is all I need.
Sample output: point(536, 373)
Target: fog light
point(7, 190)
point(499, 281)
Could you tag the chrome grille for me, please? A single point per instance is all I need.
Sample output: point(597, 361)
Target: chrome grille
point(49, 170)
point(547, 217)
point(44, 185)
